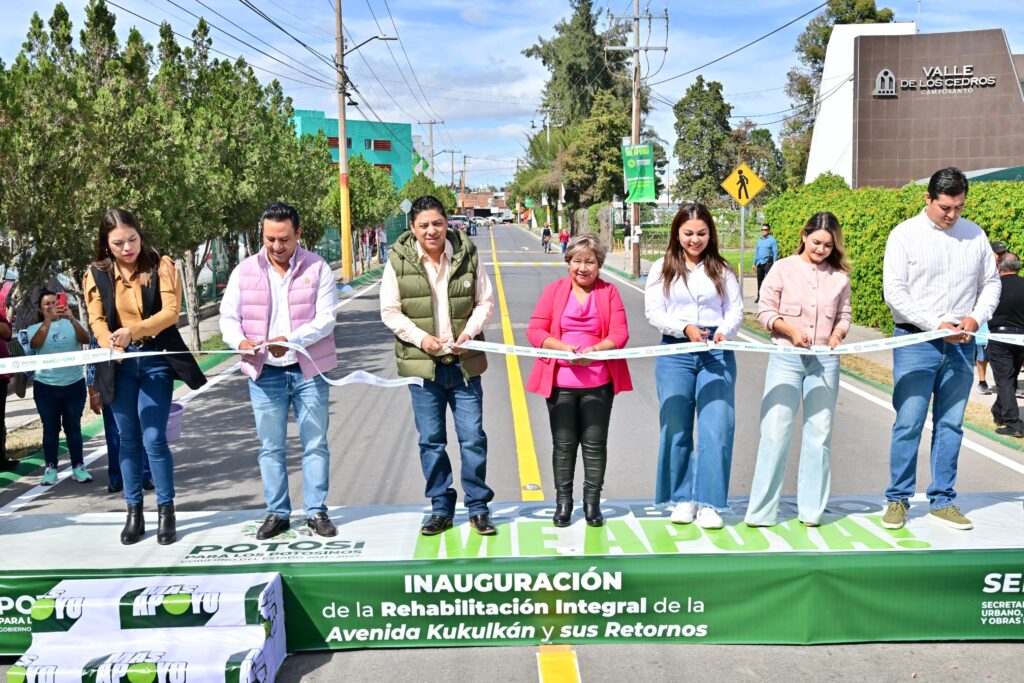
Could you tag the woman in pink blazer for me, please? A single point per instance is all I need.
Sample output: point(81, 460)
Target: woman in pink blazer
point(579, 313)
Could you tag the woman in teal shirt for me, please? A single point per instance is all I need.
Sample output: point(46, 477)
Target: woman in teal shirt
point(59, 393)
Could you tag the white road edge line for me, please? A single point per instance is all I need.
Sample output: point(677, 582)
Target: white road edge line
point(978, 448)
point(93, 455)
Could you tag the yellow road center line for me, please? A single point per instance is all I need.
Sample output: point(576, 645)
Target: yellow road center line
point(529, 470)
point(557, 664)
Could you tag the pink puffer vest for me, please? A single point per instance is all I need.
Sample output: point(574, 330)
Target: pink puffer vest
point(254, 283)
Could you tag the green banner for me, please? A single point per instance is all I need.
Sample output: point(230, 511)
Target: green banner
point(528, 203)
point(638, 169)
point(773, 598)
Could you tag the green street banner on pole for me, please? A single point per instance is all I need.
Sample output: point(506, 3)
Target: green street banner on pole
point(638, 169)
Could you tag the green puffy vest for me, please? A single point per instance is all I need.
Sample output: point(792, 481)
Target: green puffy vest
point(417, 304)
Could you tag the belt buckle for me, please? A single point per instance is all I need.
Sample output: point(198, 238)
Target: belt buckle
point(138, 343)
point(448, 359)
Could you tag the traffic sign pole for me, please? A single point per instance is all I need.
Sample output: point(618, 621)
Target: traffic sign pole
point(743, 235)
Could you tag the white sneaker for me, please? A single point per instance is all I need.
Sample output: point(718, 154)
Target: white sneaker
point(684, 513)
point(708, 518)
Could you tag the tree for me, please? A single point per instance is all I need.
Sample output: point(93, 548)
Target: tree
point(579, 66)
point(704, 146)
point(804, 84)
point(756, 147)
point(420, 185)
point(592, 165)
point(372, 195)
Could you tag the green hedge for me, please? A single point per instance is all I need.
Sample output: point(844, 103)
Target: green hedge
point(868, 215)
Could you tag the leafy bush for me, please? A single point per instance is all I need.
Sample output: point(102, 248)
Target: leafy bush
point(868, 215)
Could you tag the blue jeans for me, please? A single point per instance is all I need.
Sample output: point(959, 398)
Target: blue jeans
point(816, 380)
point(429, 404)
point(113, 441)
point(703, 384)
point(383, 252)
point(60, 406)
point(142, 401)
point(273, 393)
point(920, 371)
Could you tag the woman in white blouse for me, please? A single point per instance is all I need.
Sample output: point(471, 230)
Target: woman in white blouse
point(693, 296)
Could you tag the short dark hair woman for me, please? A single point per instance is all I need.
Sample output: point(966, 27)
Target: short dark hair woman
point(134, 299)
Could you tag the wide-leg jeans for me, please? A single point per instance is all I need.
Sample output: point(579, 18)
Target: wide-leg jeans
point(790, 378)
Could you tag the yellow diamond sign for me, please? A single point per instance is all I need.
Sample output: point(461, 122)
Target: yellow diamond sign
point(743, 184)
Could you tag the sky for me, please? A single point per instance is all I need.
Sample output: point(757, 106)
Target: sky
point(461, 61)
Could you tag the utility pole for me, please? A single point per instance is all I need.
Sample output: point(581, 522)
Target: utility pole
point(463, 192)
point(453, 153)
point(430, 127)
point(635, 220)
point(635, 230)
point(346, 214)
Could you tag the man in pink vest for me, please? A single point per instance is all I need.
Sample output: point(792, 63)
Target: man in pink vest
point(285, 294)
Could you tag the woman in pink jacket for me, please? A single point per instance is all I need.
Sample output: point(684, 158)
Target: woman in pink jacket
point(579, 313)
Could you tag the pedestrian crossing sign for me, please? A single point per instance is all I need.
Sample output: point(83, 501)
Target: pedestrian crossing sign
point(743, 184)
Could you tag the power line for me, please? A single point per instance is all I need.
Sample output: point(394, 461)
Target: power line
point(214, 50)
point(742, 47)
point(319, 55)
point(309, 74)
point(374, 74)
point(415, 78)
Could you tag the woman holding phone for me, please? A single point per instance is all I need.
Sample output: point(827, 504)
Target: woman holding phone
point(59, 393)
point(134, 299)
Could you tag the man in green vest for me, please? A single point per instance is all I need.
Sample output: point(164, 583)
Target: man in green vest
point(435, 295)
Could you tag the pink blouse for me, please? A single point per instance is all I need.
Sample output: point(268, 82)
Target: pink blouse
point(814, 298)
point(581, 326)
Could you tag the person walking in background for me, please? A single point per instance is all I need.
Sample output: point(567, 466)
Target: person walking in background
point(693, 295)
point(382, 244)
point(368, 241)
point(1007, 359)
point(766, 253)
point(435, 295)
point(563, 238)
point(5, 336)
point(545, 238)
point(805, 302)
point(133, 295)
point(59, 393)
point(579, 313)
point(285, 293)
point(938, 273)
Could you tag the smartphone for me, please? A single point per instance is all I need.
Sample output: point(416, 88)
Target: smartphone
point(62, 299)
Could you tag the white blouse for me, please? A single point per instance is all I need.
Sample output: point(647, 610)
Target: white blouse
point(694, 302)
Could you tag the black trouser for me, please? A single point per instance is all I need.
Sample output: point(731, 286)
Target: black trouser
point(1006, 361)
point(579, 417)
point(762, 271)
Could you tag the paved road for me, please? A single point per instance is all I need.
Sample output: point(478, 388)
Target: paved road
point(374, 461)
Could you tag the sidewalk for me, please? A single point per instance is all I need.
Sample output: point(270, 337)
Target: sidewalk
point(22, 411)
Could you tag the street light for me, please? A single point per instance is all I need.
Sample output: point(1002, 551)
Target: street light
point(346, 213)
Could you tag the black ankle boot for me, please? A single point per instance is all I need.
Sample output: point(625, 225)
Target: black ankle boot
point(165, 526)
point(563, 512)
point(135, 526)
point(592, 513)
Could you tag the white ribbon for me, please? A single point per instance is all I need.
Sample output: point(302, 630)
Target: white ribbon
point(69, 359)
point(698, 347)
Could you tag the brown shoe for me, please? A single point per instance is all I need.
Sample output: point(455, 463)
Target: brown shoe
point(435, 525)
point(483, 524)
point(321, 525)
point(272, 526)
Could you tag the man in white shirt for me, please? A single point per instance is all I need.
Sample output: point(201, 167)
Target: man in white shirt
point(938, 274)
point(286, 294)
point(435, 295)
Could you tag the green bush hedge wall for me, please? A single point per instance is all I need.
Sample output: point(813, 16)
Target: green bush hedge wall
point(868, 215)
